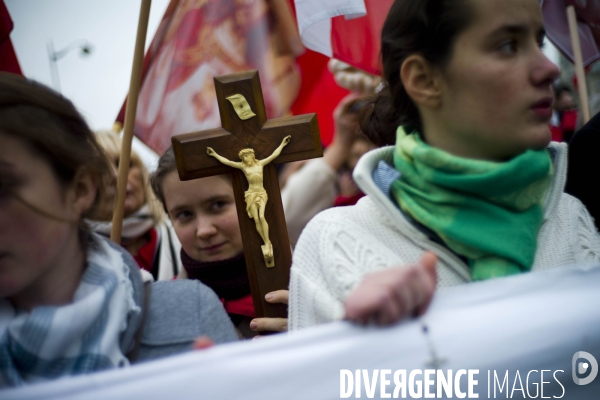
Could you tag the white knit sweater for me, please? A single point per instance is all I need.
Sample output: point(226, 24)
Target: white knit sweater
point(341, 245)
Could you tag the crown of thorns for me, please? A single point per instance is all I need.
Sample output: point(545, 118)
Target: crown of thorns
point(243, 152)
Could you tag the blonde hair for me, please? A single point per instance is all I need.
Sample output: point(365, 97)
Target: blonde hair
point(111, 143)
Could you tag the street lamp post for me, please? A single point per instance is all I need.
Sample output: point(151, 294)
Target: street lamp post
point(54, 56)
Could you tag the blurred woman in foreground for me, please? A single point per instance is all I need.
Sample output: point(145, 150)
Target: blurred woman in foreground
point(71, 301)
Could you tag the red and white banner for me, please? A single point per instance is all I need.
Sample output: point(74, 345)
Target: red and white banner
point(198, 40)
point(348, 30)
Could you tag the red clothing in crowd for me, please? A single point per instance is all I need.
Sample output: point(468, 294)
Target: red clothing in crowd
point(145, 255)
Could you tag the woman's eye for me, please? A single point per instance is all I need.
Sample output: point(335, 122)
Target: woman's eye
point(217, 206)
point(541, 43)
point(508, 47)
point(183, 216)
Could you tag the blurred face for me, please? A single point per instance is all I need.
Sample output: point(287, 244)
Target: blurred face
point(564, 102)
point(248, 12)
point(496, 90)
point(32, 246)
point(135, 197)
point(204, 215)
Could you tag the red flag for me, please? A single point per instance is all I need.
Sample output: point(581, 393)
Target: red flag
point(348, 30)
point(319, 93)
point(588, 21)
point(195, 42)
point(8, 58)
point(317, 80)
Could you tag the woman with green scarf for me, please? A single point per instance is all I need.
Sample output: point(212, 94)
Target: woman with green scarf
point(468, 174)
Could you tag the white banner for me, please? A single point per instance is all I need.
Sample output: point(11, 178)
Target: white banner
point(518, 337)
point(314, 20)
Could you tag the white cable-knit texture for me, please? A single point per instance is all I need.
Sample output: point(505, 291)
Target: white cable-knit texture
point(341, 245)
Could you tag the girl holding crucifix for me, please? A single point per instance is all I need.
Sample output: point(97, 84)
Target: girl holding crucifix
point(205, 219)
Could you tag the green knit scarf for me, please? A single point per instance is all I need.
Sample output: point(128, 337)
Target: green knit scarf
point(489, 212)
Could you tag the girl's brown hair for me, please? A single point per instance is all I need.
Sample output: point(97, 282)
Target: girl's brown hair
point(425, 27)
point(166, 165)
point(52, 127)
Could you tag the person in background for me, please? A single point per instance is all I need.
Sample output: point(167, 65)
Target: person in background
point(147, 235)
point(564, 117)
point(71, 301)
point(326, 182)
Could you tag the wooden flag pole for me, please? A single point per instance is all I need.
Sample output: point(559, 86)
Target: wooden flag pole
point(577, 55)
point(132, 99)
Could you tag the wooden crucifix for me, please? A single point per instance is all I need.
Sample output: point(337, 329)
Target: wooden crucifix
point(226, 150)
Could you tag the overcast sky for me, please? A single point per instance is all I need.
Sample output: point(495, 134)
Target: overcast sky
point(98, 83)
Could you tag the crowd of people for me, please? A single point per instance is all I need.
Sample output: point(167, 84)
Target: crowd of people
point(445, 176)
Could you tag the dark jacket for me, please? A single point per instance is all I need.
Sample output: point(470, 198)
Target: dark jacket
point(584, 167)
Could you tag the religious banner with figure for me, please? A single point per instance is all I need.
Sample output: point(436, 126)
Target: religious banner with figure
point(347, 30)
point(588, 21)
point(200, 39)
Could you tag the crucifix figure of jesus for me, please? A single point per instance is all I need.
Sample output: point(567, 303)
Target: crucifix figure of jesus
point(256, 196)
point(247, 134)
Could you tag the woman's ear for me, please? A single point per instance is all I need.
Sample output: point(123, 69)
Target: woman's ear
point(83, 191)
point(421, 81)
